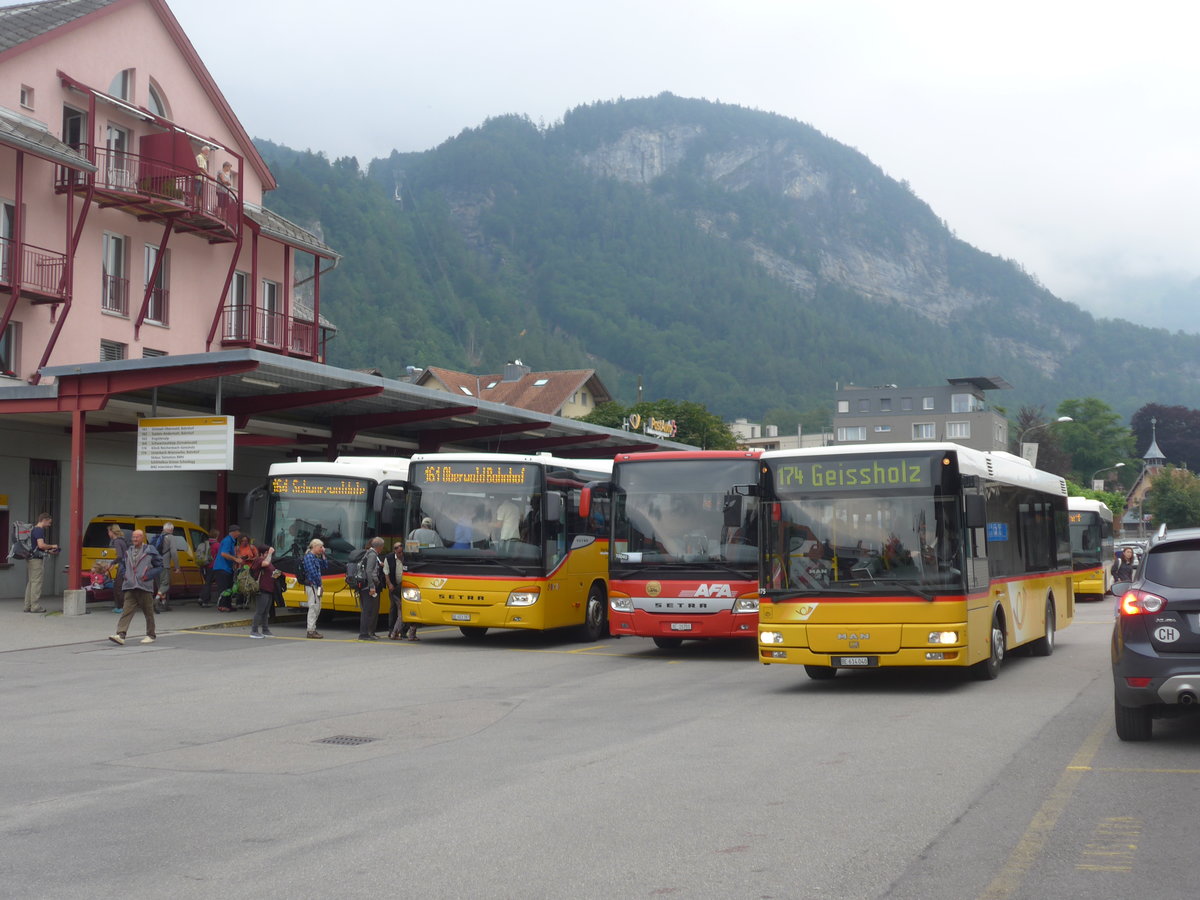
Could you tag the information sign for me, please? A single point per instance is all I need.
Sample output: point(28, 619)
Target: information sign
point(196, 444)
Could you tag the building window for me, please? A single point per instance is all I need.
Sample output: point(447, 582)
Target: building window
point(584, 399)
point(122, 85)
point(885, 404)
point(926, 403)
point(26, 96)
point(882, 429)
point(964, 403)
point(157, 310)
point(114, 285)
point(958, 430)
point(922, 431)
point(1000, 435)
point(8, 239)
point(906, 404)
point(270, 330)
point(864, 406)
point(848, 433)
point(155, 102)
point(147, 353)
point(237, 309)
point(843, 406)
point(111, 351)
point(8, 351)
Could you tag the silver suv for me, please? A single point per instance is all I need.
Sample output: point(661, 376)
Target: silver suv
point(1156, 637)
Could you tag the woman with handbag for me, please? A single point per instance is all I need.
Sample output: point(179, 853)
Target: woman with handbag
point(262, 568)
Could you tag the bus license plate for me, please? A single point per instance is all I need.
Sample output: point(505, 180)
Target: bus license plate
point(460, 617)
point(681, 626)
point(858, 661)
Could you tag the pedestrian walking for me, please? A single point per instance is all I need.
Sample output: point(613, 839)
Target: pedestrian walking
point(368, 595)
point(393, 571)
point(164, 543)
point(265, 572)
point(35, 571)
point(314, 565)
point(139, 576)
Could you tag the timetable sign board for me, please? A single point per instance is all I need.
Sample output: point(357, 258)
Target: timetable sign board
point(203, 443)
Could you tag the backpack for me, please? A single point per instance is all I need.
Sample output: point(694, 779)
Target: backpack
point(301, 577)
point(246, 583)
point(20, 542)
point(356, 570)
point(159, 540)
point(201, 553)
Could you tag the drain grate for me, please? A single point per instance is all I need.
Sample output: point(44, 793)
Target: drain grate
point(345, 740)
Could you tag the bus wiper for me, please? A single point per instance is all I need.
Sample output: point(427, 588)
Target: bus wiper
point(906, 585)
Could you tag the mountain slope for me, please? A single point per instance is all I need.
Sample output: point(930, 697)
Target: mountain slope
point(727, 256)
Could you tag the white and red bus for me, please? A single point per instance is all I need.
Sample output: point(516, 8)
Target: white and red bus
point(684, 562)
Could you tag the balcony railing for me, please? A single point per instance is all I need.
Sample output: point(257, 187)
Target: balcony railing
point(42, 271)
point(139, 177)
point(159, 309)
point(114, 295)
point(273, 330)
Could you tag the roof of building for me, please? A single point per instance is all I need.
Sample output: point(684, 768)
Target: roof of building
point(27, 21)
point(32, 137)
point(545, 392)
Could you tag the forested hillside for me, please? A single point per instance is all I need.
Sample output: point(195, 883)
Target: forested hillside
point(729, 257)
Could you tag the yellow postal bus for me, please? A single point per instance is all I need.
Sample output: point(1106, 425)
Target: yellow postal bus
point(922, 554)
point(503, 541)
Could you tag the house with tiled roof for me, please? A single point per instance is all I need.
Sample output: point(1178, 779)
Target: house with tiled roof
point(131, 200)
point(572, 393)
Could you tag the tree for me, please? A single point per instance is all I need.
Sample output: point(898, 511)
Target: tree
point(1096, 439)
point(1174, 499)
point(694, 424)
point(1115, 502)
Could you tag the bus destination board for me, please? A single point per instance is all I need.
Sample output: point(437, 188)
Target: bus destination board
point(475, 473)
point(853, 474)
point(317, 486)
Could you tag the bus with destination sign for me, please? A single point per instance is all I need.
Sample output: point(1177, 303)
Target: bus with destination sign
point(506, 541)
point(920, 554)
point(684, 560)
point(1091, 547)
point(345, 503)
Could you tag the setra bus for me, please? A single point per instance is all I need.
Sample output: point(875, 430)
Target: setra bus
point(684, 560)
point(920, 554)
point(345, 503)
point(506, 541)
point(1091, 547)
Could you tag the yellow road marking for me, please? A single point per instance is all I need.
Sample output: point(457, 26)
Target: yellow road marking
point(1033, 841)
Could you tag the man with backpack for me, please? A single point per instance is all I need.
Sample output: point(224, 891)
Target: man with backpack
point(39, 547)
point(164, 543)
point(368, 594)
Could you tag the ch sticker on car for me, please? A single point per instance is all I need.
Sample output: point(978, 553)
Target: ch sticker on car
point(1166, 634)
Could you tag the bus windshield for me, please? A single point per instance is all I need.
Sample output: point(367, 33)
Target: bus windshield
point(474, 512)
point(336, 510)
point(1085, 538)
point(683, 512)
point(826, 531)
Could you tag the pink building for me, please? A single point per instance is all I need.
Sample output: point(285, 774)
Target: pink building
point(131, 222)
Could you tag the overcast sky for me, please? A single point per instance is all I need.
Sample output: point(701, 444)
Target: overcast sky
point(1063, 135)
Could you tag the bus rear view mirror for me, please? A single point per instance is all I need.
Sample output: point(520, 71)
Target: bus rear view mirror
point(976, 510)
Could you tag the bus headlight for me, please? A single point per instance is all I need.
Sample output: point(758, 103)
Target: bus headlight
point(522, 598)
point(411, 594)
point(943, 637)
point(746, 604)
point(621, 604)
point(770, 637)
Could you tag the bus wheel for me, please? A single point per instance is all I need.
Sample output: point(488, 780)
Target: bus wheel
point(990, 667)
point(595, 622)
point(820, 673)
point(472, 632)
point(1044, 645)
point(668, 643)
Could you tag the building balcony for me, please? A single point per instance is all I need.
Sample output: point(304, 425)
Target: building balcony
point(43, 273)
point(272, 331)
point(151, 189)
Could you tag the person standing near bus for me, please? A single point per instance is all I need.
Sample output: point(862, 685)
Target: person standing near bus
point(35, 565)
point(368, 595)
point(393, 571)
point(314, 565)
point(1122, 569)
point(223, 568)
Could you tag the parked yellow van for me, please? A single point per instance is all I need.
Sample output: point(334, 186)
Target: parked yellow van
point(188, 537)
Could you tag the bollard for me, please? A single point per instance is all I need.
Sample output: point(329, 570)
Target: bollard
point(74, 603)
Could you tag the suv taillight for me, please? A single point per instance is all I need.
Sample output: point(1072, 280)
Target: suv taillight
point(1138, 603)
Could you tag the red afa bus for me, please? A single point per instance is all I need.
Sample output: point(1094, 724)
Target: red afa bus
point(684, 546)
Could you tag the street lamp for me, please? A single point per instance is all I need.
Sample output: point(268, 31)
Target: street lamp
point(1092, 480)
point(1021, 439)
point(1029, 451)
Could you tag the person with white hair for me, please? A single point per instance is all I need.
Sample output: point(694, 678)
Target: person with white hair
point(425, 536)
point(164, 543)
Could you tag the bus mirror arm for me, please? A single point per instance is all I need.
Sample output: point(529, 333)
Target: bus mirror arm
point(744, 490)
